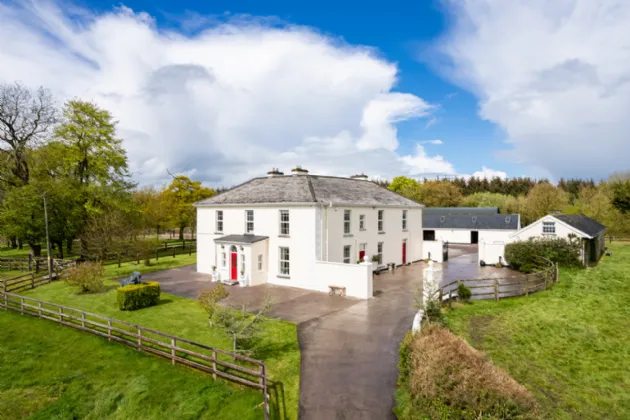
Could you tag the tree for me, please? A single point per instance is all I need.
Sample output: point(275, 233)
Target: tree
point(484, 199)
point(243, 328)
point(440, 194)
point(155, 206)
point(93, 158)
point(402, 183)
point(25, 119)
point(544, 198)
point(109, 231)
point(621, 196)
point(182, 193)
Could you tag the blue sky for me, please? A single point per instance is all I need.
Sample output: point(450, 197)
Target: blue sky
point(224, 90)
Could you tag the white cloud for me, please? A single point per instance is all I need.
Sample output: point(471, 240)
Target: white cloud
point(437, 142)
point(486, 173)
point(423, 164)
point(553, 75)
point(225, 103)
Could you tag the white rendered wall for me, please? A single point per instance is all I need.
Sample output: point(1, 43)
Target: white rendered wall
point(301, 239)
point(434, 249)
point(392, 235)
point(453, 236)
point(492, 245)
point(356, 278)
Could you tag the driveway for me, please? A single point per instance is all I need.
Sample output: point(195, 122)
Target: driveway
point(349, 346)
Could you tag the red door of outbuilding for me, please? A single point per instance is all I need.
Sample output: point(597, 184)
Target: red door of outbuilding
point(404, 254)
point(234, 265)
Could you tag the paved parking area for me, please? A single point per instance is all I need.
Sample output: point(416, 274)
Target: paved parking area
point(349, 346)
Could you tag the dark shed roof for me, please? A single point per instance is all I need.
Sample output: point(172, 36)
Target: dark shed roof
point(309, 189)
point(472, 222)
point(461, 210)
point(581, 222)
point(240, 239)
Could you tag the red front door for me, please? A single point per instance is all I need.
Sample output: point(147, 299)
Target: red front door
point(361, 255)
point(234, 265)
point(404, 253)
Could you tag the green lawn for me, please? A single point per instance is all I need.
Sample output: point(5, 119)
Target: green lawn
point(569, 346)
point(55, 372)
point(184, 318)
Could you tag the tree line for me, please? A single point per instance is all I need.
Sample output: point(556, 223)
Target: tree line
point(71, 158)
point(607, 201)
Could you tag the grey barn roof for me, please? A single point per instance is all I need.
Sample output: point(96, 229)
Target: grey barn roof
point(304, 189)
point(581, 222)
point(472, 222)
point(443, 211)
point(241, 239)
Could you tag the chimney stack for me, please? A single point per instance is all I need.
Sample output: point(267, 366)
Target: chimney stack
point(360, 176)
point(298, 170)
point(274, 172)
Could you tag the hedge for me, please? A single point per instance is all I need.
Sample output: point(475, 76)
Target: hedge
point(524, 255)
point(138, 296)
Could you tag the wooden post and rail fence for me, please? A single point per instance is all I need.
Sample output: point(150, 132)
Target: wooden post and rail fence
point(497, 288)
point(239, 369)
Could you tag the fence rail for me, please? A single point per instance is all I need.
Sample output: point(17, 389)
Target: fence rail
point(36, 276)
point(239, 369)
point(502, 287)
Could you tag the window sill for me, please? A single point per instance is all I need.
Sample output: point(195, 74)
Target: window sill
point(283, 276)
point(381, 233)
point(348, 235)
point(405, 230)
point(284, 236)
point(218, 233)
point(362, 230)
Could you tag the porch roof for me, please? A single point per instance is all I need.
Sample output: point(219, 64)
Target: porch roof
point(240, 239)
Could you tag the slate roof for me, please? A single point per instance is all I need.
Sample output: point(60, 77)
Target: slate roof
point(443, 211)
point(241, 239)
point(299, 189)
point(582, 223)
point(471, 222)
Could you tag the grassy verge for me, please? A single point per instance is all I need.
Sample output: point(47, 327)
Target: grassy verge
point(569, 346)
point(55, 372)
point(183, 317)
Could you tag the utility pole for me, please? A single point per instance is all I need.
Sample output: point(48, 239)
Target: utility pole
point(47, 240)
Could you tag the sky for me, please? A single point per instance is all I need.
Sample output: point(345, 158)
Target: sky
point(225, 91)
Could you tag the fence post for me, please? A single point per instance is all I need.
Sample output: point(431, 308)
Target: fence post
point(214, 364)
point(157, 254)
point(6, 298)
point(556, 272)
point(60, 315)
point(83, 319)
point(139, 338)
point(32, 280)
point(36, 266)
point(496, 290)
point(118, 260)
point(40, 308)
point(263, 370)
point(526, 284)
point(173, 351)
point(22, 305)
point(109, 330)
point(30, 262)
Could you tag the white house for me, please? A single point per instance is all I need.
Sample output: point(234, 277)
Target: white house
point(590, 232)
point(307, 231)
point(462, 225)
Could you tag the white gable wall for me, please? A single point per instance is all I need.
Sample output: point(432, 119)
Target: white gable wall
point(453, 236)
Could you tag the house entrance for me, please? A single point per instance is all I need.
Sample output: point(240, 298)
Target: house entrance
point(474, 237)
point(234, 263)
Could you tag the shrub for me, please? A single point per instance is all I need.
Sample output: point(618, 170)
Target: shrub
point(403, 359)
point(87, 276)
point(138, 296)
point(525, 255)
point(448, 379)
point(463, 293)
point(433, 311)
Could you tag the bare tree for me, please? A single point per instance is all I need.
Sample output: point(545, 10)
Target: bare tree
point(25, 119)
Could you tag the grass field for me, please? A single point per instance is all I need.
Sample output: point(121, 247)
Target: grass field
point(569, 346)
point(55, 372)
point(184, 318)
